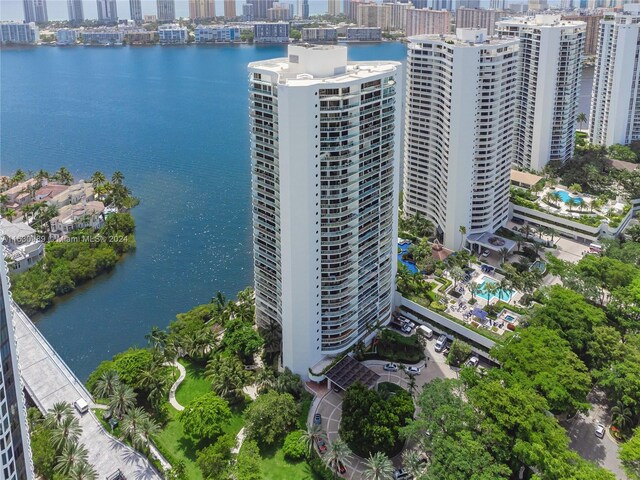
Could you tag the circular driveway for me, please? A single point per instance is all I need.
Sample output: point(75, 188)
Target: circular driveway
point(330, 405)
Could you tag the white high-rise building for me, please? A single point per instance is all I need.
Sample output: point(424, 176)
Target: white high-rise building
point(460, 118)
point(76, 11)
point(15, 452)
point(107, 11)
point(551, 52)
point(325, 166)
point(615, 101)
point(166, 10)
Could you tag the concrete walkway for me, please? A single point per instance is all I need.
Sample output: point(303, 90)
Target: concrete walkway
point(48, 380)
point(172, 392)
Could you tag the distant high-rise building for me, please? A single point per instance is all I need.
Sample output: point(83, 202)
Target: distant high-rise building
point(135, 8)
point(166, 10)
point(260, 8)
point(428, 22)
point(14, 446)
point(35, 11)
point(230, 9)
point(591, 35)
point(551, 52)
point(107, 11)
point(478, 18)
point(459, 122)
point(247, 12)
point(374, 15)
point(538, 5)
point(303, 9)
point(324, 159)
point(615, 101)
point(334, 7)
point(280, 12)
point(498, 4)
point(202, 9)
point(76, 11)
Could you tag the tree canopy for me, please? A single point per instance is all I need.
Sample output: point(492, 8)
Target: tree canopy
point(270, 417)
point(205, 416)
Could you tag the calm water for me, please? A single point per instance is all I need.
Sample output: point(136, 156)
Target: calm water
point(174, 120)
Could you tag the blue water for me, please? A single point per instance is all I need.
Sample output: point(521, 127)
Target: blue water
point(174, 120)
point(564, 196)
point(410, 265)
point(502, 294)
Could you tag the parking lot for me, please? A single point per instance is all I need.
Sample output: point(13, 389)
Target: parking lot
point(329, 406)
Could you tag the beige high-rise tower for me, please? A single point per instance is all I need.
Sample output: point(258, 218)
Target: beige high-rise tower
point(199, 9)
point(230, 9)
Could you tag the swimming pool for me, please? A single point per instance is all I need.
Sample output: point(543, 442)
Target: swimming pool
point(501, 294)
point(538, 265)
point(509, 318)
point(410, 265)
point(564, 196)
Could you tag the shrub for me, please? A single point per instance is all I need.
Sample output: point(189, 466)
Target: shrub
point(294, 448)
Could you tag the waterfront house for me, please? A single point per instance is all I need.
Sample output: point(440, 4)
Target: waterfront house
point(23, 248)
point(79, 192)
point(88, 214)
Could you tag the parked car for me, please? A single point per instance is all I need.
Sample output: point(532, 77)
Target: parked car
point(406, 328)
point(600, 429)
point(473, 361)
point(390, 367)
point(401, 474)
point(317, 419)
point(414, 370)
point(322, 446)
point(425, 331)
point(341, 468)
point(485, 253)
point(441, 343)
point(81, 406)
point(406, 321)
point(337, 389)
point(446, 350)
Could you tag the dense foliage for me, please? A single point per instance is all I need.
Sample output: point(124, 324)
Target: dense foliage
point(270, 417)
point(371, 423)
point(68, 264)
point(205, 416)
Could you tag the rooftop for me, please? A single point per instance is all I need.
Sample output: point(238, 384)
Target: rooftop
point(542, 20)
point(349, 371)
point(524, 178)
point(69, 213)
point(15, 231)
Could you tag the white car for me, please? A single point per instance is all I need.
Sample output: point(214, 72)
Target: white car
point(473, 361)
point(600, 429)
point(390, 367)
point(406, 321)
point(485, 253)
point(414, 370)
point(406, 328)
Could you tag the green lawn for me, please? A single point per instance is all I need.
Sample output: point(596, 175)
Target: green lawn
point(275, 467)
point(171, 440)
point(194, 385)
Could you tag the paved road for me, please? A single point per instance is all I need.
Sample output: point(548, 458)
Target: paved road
point(602, 451)
point(48, 380)
point(330, 405)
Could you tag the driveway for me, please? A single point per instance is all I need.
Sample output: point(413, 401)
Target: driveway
point(330, 405)
point(581, 428)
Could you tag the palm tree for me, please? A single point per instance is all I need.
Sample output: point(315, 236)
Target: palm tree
point(311, 435)
point(551, 198)
point(463, 231)
point(117, 178)
point(581, 119)
point(457, 274)
point(490, 289)
point(18, 177)
point(106, 384)
point(147, 430)
point(378, 467)
point(68, 431)
point(504, 254)
point(337, 454)
point(505, 286)
point(155, 384)
point(412, 462)
point(83, 471)
point(265, 379)
point(132, 423)
point(156, 338)
point(63, 176)
point(72, 455)
point(620, 415)
point(97, 179)
point(57, 413)
point(474, 288)
point(9, 214)
point(227, 375)
point(122, 399)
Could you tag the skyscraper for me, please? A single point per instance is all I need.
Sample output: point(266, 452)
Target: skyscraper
point(460, 117)
point(334, 7)
point(107, 11)
point(478, 18)
point(14, 444)
point(76, 11)
point(615, 101)
point(202, 9)
point(166, 10)
point(260, 8)
point(538, 5)
point(303, 8)
point(325, 186)
point(35, 11)
point(230, 9)
point(135, 8)
point(426, 22)
point(550, 70)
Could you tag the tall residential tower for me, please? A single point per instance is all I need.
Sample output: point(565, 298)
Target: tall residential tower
point(166, 10)
point(107, 11)
point(615, 101)
point(324, 157)
point(14, 438)
point(35, 11)
point(135, 9)
point(460, 118)
point(549, 74)
point(76, 11)
point(202, 9)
